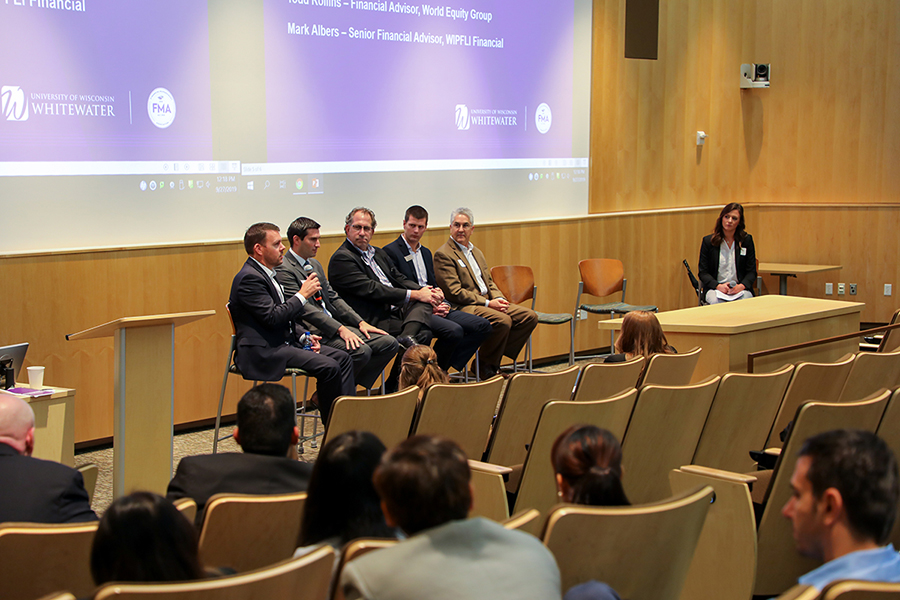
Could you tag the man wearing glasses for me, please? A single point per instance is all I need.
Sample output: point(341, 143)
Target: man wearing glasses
point(369, 282)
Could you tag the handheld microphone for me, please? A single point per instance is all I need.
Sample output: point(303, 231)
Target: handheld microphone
point(318, 295)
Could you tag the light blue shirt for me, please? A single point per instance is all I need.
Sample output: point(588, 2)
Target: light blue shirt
point(879, 564)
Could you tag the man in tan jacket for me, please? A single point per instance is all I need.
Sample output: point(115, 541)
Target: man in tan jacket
point(464, 276)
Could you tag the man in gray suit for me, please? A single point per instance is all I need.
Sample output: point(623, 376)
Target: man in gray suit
point(327, 314)
point(425, 491)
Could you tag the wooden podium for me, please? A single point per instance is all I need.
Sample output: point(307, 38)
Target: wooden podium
point(144, 384)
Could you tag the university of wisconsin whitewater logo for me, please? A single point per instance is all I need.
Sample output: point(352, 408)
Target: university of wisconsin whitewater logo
point(13, 102)
point(161, 107)
point(462, 117)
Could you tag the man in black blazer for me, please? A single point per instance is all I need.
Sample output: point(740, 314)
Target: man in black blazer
point(35, 490)
point(458, 334)
point(263, 315)
point(326, 313)
point(267, 433)
point(366, 278)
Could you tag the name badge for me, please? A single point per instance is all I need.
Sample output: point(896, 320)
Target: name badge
point(743, 252)
point(408, 257)
point(462, 263)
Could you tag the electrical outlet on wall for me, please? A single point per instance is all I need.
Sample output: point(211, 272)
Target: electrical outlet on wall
point(840, 289)
point(852, 289)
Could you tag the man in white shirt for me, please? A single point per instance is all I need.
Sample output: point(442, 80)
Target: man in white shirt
point(464, 276)
point(459, 334)
point(843, 506)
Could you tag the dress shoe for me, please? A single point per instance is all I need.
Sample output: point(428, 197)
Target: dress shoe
point(313, 402)
point(406, 342)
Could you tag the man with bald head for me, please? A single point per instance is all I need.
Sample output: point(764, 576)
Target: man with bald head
point(34, 490)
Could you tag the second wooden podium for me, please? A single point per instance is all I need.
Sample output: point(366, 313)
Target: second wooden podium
point(144, 393)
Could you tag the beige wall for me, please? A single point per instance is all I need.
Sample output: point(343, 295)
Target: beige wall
point(814, 158)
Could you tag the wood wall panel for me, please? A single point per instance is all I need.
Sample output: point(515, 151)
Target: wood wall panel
point(824, 132)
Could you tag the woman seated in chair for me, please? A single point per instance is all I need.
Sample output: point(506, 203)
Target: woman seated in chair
point(419, 367)
point(341, 503)
point(587, 461)
point(142, 537)
point(727, 266)
point(641, 335)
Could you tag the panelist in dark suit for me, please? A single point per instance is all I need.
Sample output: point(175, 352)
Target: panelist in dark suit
point(366, 278)
point(267, 341)
point(267, 433)
point(326, 314)
point(35, 490)
point(463, 274)
point(458, 334)
point(728, 257)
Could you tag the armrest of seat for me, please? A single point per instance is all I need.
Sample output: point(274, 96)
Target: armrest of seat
point(773, 451)
point(490, 468)
point(720, 474)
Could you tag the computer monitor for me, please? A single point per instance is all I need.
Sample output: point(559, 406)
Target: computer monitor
point(16, 352)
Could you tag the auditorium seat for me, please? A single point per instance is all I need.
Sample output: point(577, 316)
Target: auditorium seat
point(641, 551)
point(662, 435)
point(671, 369)
point(390, 417)
point(538, 485)
point(462, 412)
point(246, 532)
point(605, 380)
point(525, 396)
point(308, 576)
point(740, 419)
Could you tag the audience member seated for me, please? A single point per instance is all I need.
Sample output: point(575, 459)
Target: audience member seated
point(34, 490)
point(843, 507)
point(641, 335)
point(425, 491)
point(342, 503)
point(727, 266)
point(465, 277)
point(142, 537)
point(588, 465)
point(267, 433)
point(420, 367)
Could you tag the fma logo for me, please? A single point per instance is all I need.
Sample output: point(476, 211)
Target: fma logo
point(161, 107)
point(14, 105)
point(462, 117)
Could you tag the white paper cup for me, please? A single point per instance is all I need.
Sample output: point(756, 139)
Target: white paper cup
point(36, 378)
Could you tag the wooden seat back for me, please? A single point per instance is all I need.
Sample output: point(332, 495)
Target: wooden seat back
point(740, 419)
point(605, 380)
point(38, 559)
point(246, 532)
point(525, 396)
point(389, 417)
point(462, 412)
point(662, 435)
point(640, 551)
point(671, 369)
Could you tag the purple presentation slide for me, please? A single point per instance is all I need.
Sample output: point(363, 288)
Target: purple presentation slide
point(104, 80)
point(350, 80)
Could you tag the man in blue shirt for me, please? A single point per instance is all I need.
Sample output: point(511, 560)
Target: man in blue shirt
point(844, 502)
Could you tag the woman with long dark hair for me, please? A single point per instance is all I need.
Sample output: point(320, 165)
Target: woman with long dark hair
point(142, 537)
point(587, 461)
point(341, 503)
point(727, 266)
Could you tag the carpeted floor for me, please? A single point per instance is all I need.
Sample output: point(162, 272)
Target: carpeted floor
point(196, 442)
